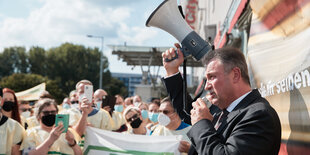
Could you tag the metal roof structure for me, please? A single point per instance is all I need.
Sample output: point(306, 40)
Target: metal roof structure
point(145, 56)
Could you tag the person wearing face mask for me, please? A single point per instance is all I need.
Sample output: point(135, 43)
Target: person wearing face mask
point(65, 105)
point(74, 114)
point(74, 99)
point(90, 116)
point(171, 124)
point(32, 121)
point(119, 108)
point(136, 100)
point(134, 121)
point(144, 108)
point(25, 111)
point(10, 105)
point(48, 139)
point(119, 105)
point(153, 115)
point(11, 133)
point(117, 117)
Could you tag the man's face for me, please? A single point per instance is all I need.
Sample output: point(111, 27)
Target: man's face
point(153, 108)
point(119, 101)
point(24, 108)
point(74, 99)
point(98, 96)
point(127, 102)
point(136, 99)
point(219, 84)
point(168, 110)
point(80, 91)
point(143, 107)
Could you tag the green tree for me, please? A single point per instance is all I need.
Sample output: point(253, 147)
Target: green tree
point(20, 81)
point(64, 66)
point(37, 61)
point(71, 63)
point(13, 60)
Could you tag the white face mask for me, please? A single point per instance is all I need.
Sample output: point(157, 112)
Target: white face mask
point(26, 114)
point(163, 119)
point(136, 104)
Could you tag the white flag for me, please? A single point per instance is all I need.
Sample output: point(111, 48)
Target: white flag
point(99, 141)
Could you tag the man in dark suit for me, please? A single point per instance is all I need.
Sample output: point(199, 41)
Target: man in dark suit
point(247, 123)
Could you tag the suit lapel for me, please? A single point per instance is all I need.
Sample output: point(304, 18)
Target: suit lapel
point(229, 117)
point(243, 104)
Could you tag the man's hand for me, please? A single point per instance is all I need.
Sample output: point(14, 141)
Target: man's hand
point(184, 146)
point(200, 111)
point(86, 106)
point(172, 67)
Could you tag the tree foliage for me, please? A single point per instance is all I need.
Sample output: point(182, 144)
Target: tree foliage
point(37, 61)
point(21, 81)
point(61, 66)
point(13, 60)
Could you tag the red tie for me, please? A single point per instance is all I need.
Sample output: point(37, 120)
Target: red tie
point(223, 115)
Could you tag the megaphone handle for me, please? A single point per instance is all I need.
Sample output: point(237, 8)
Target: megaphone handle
point(173, 58)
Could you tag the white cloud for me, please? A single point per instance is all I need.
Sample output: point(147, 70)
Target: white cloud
point(59, 21)
point(136, 35)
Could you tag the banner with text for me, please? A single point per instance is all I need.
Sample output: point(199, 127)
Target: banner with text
point(32, 93)
point(279, 63)
point(104, 142)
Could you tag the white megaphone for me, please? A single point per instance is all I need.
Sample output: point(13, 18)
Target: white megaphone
point(168, 18)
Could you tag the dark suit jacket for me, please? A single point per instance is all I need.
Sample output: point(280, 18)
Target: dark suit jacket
point(253, 127)
point(174, 87)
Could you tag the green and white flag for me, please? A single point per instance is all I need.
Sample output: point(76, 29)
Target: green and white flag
point(99, 141)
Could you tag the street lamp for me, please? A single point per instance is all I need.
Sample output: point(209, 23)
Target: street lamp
point(101, 58)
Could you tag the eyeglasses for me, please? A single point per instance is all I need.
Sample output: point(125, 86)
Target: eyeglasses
point(74, 102)
point(29, 109)
point(132, 118)
point(53, 112)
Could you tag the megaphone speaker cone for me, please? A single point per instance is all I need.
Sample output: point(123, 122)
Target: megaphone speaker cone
point(168, 18)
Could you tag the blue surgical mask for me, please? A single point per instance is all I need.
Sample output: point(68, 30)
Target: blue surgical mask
point(66, 106)
point(118, 108)
point(98, 104)
point(153, 117)
point(144, 114)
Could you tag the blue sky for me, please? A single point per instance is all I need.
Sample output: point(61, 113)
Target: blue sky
point(49, 23)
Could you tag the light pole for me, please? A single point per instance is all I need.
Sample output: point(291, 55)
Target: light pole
point(101, 58)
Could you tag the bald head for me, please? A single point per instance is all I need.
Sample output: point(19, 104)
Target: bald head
point(99, 94)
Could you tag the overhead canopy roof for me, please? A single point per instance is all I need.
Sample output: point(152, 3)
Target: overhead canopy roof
point(145, 56)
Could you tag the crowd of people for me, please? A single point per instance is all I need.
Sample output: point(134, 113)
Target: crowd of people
point(31, 129)
point(239, 121)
